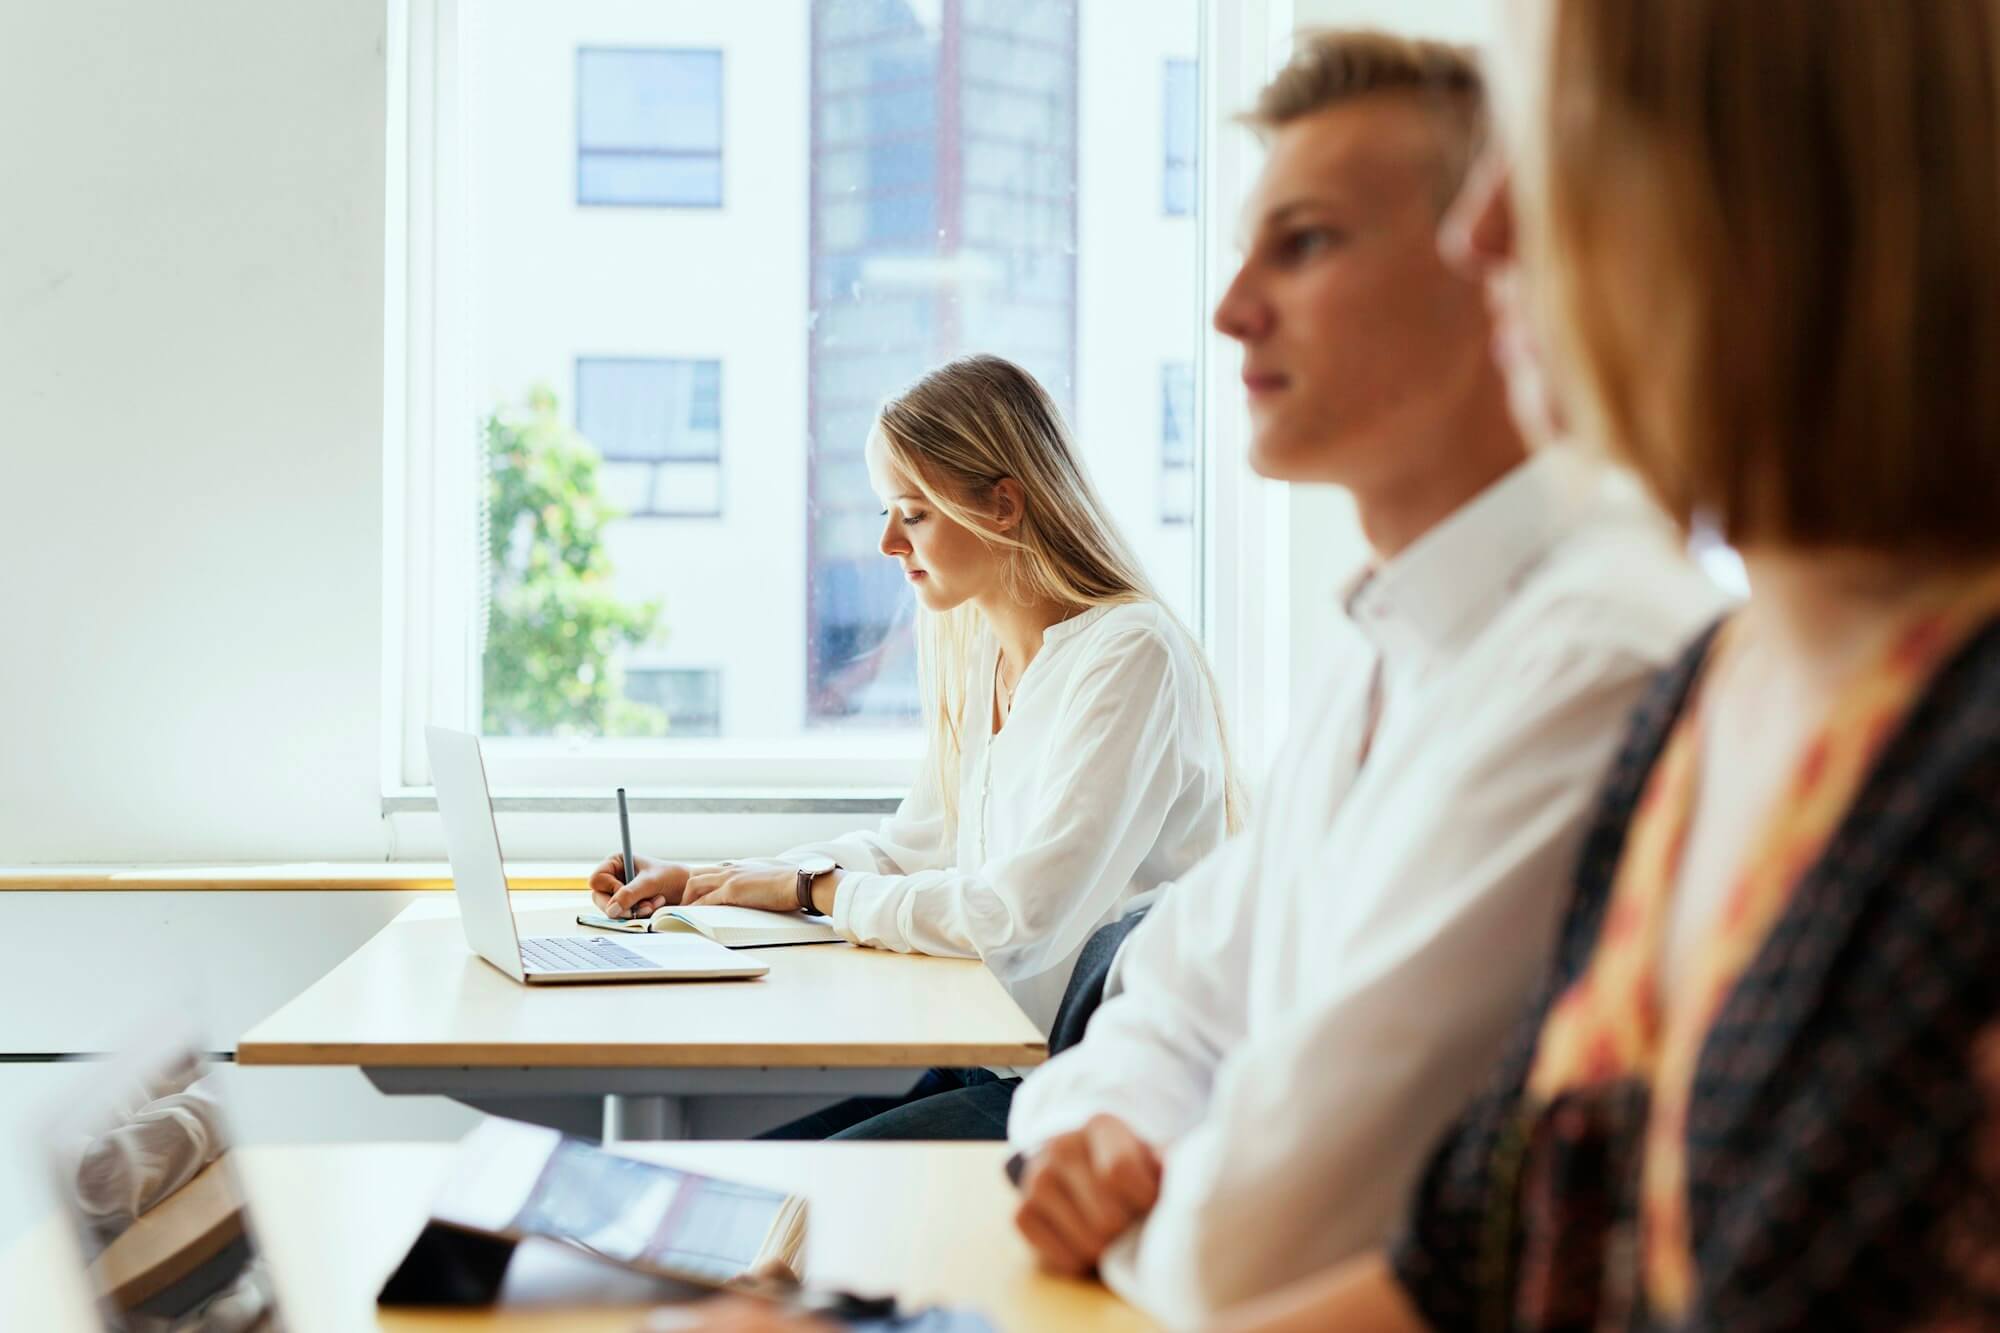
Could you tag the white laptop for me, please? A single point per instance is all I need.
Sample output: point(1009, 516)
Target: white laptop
point(473, 843)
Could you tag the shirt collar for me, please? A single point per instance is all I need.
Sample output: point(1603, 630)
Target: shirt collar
point(1446, 584)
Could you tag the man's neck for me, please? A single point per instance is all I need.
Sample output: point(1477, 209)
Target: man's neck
point(1480, 448)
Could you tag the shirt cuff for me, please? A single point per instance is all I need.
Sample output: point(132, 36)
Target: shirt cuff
point(862, 894)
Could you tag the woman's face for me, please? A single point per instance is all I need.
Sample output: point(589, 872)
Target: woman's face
point(1479, 235)
point(946, 562)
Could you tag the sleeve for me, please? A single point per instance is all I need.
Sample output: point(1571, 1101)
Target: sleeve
point(1318, 1125)
point(125, 1171)
point(1174, 1004)
point(1109, 780)
point(916, 836)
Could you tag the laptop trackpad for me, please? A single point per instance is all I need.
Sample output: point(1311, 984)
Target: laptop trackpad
point(682, 950)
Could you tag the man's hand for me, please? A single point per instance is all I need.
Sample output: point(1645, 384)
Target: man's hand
point(770, 885)
point(658, 884)
point(1083, 1190)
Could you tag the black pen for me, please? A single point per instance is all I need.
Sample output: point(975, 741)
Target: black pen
point(625, 836)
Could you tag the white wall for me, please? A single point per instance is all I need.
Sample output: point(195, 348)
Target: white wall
point(191, 340)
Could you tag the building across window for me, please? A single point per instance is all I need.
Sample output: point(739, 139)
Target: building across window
point(1176, 442)
point(691, 697)
point(658, 425)
point(649, 127)
point(944, 220)
point(1182, 133)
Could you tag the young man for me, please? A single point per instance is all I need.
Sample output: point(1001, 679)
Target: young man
point(1302, 1013)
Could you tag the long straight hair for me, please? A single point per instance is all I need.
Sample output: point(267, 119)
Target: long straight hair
point(955, 434)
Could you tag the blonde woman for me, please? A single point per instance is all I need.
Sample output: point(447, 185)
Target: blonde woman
point(1756, 248)
point(1076, 758)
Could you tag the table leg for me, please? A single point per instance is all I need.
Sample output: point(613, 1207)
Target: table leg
point(634, 1116)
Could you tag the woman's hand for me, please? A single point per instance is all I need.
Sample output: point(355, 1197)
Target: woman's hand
point(658, 884)
point(771, 886)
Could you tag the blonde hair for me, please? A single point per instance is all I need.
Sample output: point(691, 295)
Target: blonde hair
point(1771, 233)
point(1331, 66)
point(954, 435)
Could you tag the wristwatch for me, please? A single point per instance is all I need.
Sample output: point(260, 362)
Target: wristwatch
point(811, 869)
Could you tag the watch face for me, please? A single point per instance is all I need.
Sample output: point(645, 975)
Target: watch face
point(816, 865)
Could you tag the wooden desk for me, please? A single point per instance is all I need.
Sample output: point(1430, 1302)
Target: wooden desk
point(188, 1228)
point(418, 1012)
point(927, 1221)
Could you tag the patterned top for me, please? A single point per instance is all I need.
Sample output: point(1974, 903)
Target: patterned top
point(1808, 1133)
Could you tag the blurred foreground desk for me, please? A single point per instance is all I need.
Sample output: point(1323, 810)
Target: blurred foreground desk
point(927, 1221)
point(418, 1012)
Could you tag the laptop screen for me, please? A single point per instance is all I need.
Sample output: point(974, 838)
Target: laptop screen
point(523, 1181)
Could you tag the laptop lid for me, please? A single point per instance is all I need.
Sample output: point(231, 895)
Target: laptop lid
point(139, 1155)
point(473, 844)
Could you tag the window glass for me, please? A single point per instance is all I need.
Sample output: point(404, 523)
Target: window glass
point(1182, 135)
point(908, 182)
point(649, 127)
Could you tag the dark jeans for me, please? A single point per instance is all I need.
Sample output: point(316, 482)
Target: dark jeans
point(969, 1103)
point(944, 1104)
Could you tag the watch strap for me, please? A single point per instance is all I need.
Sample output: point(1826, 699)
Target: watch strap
point(806, 878)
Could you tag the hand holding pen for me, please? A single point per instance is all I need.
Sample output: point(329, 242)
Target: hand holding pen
point(625, 886)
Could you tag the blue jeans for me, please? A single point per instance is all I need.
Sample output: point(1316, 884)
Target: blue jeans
point(944, 1104)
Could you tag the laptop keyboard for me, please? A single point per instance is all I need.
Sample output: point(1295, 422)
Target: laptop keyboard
point(561, 953)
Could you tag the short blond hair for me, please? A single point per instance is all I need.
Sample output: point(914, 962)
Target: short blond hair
point(1770, 235)
point(1332, 66)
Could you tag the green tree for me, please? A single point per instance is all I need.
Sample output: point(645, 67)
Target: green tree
point(554, 627)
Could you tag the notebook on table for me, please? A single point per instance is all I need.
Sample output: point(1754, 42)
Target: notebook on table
point(734, 927)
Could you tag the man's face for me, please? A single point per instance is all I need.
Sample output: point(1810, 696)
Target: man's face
point(1358, 341)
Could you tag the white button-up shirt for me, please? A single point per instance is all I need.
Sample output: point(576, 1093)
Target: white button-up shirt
point(1299, 1018)
point(1106, 781)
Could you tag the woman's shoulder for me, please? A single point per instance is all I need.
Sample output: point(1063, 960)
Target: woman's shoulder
point(1137, 629)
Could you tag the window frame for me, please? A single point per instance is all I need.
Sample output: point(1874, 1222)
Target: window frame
point(431, 659)
point(721, 134)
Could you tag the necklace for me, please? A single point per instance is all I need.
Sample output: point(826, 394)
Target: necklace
point(1005, 690)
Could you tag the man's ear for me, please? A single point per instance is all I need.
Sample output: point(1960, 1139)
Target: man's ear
point(1010, 504)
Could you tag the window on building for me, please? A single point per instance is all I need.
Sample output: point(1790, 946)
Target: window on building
point(691, 697)
point(1181, 125)
point(658, 425)
point(1176, 442)
point(649, 127)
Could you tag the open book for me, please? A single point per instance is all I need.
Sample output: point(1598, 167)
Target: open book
point(746, 927)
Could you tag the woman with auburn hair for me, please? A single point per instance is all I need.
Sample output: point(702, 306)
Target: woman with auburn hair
point(1077, 756)
point(1759, 254)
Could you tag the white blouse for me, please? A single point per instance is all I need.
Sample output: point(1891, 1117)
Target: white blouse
point(1106, 782)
